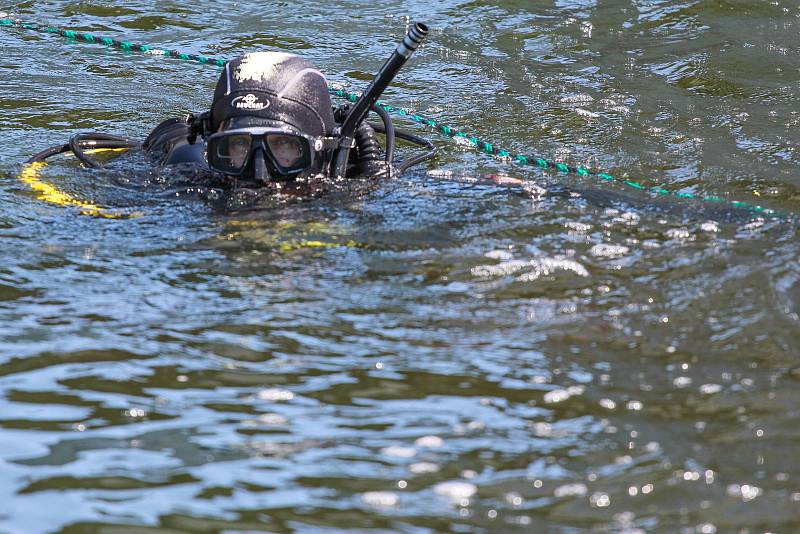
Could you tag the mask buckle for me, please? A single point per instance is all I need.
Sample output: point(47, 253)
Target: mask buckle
point(198, 125)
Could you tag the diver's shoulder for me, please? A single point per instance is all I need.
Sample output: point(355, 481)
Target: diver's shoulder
point(167, 130)
point(169, 144)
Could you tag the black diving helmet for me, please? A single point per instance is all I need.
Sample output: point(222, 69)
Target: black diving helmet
point(271, 119)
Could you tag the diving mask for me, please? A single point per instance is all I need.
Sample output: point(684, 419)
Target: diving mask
point(286, 152)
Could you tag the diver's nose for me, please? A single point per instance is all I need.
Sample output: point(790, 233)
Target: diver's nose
point(260, 172)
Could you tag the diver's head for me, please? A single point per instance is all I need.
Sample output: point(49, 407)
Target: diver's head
point(271, 119)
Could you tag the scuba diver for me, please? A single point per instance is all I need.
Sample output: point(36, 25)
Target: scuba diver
point(271, 124)
point(271, 120)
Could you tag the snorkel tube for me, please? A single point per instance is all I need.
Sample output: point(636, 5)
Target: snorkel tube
point(362, 107)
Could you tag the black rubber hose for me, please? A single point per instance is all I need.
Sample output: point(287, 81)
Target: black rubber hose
point(48, 152)
point(389, 131)
point(415, 139)
point(79, 142)
point(416, 160)
point(370, 161)
point(76, 149)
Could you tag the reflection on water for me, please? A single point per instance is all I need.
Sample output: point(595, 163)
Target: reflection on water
point(431, 353)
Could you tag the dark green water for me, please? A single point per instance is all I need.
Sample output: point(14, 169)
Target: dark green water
point(460, 358)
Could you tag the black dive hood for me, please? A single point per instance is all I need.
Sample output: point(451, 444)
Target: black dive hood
point(370, 96)
point(274, 86)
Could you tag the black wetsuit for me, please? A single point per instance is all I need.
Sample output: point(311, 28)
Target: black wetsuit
point(168, 144)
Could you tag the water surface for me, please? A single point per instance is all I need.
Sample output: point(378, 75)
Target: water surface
point(437, 354)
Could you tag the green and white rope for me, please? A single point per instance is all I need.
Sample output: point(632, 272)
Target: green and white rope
point(125, 46)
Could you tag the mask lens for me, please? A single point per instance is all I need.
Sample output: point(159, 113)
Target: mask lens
point(289, 153)
point(229, 153)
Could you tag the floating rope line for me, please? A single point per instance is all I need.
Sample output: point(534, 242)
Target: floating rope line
point(494, 150)
point(125, 46)
point(443, 129)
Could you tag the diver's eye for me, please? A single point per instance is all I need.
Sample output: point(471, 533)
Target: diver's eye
point(285, 142)
point(287, 150)
point(239, 142)
point(229, 153)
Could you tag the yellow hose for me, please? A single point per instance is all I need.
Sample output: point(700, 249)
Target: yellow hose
point(48, 193)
